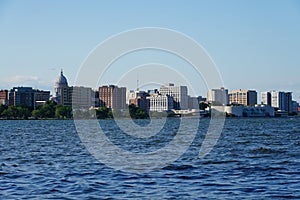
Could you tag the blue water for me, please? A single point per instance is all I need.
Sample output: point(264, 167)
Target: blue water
point(253, 159)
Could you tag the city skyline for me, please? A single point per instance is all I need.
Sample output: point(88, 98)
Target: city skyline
point(253, 46)
point(258, 96)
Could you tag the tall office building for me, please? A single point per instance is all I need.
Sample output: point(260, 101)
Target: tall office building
point(4, 97)
point(295, 106)
point(22, 96)
point(41, 95)
point(76, 96)
point(289, 102)
point(282, 100)
point(193, 102)
point(218, 96)
point(112, 97)
point(243, 97)
point(178, 93)
point(81, 96)
point(266, 98)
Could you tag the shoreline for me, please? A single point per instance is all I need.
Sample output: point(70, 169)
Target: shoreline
point(128, 118)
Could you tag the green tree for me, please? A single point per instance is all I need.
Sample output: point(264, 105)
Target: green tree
point(63, 112)
point(102, 113)
point(23, 112)
point(9, 113)
point(16, 112)
point(2, 108)
point(45, 111)
point(137, 113)
point(36, 113)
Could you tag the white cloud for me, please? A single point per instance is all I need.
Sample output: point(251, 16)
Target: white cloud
point(29, 81)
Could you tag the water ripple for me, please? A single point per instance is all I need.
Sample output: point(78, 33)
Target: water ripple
point(253, 159)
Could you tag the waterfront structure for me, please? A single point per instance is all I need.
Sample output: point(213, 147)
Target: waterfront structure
point(218, 96)
point(61, 85)
point(178, 93)
point(21, 96)
point(243, 97)
point(112, 96)
point(259, 111)
point(3, 97)
point(160, 103)
point(236, 111)
point(246, 111)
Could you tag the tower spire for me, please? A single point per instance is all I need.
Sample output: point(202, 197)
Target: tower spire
point(137, 82)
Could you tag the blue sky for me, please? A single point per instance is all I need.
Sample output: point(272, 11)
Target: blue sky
point(255, 44)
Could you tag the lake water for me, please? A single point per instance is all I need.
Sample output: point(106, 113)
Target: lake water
point(253, 159)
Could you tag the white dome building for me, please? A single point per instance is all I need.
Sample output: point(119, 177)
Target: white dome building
point(60, 83)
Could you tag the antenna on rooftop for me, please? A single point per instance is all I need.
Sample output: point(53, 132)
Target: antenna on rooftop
point(137, 82)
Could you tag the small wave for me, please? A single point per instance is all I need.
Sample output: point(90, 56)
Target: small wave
point(179, 167)
point(219, 162)
point(265, 150)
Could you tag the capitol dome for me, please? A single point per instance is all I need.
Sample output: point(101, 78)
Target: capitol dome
point(61, 81)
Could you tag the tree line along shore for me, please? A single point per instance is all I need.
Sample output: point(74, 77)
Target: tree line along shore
point(51, 110)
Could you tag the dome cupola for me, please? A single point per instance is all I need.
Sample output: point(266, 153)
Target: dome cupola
point(61, 81)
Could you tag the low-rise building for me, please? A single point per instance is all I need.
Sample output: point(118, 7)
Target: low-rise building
point(236, 111)
point(259, 111)
point(246, 111)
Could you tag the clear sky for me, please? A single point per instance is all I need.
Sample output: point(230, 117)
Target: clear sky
point(255, 44)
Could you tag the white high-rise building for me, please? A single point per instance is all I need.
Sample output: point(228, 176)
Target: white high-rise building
point(282, 100)
point(277, 99)
point(218, 95)
point(178, 93)
point(160, 103)
point(266, 98)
